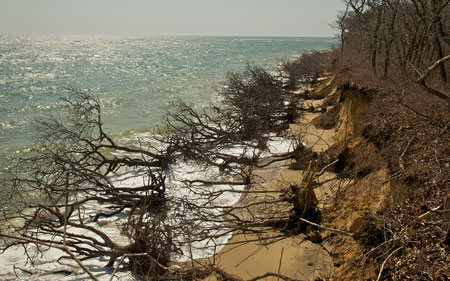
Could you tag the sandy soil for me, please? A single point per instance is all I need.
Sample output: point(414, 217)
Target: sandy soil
point(250, 255)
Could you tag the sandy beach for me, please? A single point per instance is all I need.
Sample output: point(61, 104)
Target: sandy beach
point(247, 256)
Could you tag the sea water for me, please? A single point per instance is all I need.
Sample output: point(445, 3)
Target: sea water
point(135, 79)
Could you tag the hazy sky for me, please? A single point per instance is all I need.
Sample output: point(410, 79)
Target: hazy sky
point(170, 17)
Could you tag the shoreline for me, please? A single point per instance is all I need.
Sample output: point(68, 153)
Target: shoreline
point(247, 249)
point(248, 255)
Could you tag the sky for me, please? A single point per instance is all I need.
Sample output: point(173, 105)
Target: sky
point(170, 17)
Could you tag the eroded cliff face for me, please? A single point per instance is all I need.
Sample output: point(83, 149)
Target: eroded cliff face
point(356, 170)
point(377, 186)
point(362, 174)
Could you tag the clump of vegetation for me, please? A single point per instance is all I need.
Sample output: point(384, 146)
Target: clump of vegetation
point(306, 69)
point(254, 106)
point(258, 102)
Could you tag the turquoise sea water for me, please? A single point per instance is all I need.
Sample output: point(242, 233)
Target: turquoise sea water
point(135, 78)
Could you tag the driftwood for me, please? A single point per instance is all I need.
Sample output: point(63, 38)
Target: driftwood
point(304, 199)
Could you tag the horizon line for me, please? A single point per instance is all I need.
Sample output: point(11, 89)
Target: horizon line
point(153, 35)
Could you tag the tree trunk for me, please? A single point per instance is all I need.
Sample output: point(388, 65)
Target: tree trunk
point(436, 10)
point(375, 40)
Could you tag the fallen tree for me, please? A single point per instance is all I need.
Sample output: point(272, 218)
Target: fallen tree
point(70, 183)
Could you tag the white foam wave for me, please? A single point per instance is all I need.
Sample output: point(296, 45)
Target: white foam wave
point(6, 125)
point(177, 191)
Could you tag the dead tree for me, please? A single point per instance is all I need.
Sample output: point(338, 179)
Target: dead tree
point(308, 67)
point(341, 26)
point(255, 106)
point(77, 145)
point(422, 80)
point(435, 10)
point(62, 187)
point(65, 188)
point(256, 101)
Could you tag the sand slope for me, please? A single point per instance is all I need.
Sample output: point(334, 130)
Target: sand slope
point(247, 256)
